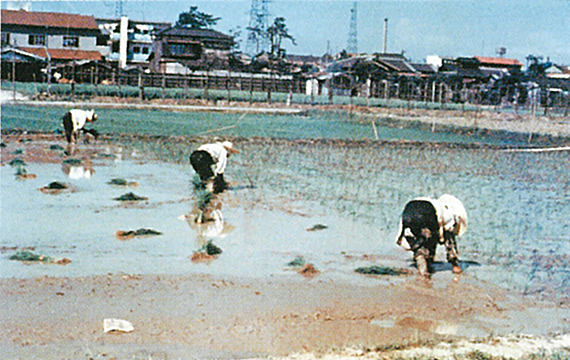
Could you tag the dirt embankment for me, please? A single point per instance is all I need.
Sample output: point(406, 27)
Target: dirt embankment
point(62, 317)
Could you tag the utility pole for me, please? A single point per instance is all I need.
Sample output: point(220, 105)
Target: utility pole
point(352, 46)
point(385, 36)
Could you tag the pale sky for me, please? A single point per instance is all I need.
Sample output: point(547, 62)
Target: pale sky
point(417, 27)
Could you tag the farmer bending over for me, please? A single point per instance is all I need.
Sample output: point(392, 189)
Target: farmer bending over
point(210, 161)
point(75, 120)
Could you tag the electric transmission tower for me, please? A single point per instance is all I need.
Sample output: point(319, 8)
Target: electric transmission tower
point(352, 46)
point(119, 9)
point(257, 40)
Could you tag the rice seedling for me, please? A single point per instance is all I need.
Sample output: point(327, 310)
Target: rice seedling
point(129, 234)
point(122, 182)
point(131, 197)
point(28, 256)
point(383, 270)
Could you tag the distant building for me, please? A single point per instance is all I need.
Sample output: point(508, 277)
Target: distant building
point(498, 63)
point(196, 49)
point(57, 37)
point(138, 39)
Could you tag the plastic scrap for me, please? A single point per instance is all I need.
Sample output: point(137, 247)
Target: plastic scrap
point(117, 325)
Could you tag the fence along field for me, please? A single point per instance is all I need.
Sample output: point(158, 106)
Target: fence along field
point(429, 93)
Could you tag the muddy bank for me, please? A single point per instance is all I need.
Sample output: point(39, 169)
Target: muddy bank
point(209, 317)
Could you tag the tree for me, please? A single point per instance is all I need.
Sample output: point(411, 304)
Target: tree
point(536, 66)
point(276, 33)
point(195, 19)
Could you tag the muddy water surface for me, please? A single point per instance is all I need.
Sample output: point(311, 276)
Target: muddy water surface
point(518, 206)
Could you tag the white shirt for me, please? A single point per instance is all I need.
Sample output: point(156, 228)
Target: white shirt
point(219, 154)
point(80, 117)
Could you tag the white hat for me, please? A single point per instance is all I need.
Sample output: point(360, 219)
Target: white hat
point(230, 147)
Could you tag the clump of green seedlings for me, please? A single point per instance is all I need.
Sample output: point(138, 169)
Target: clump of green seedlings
point(382, 270)
point(72, 161)
point(54, 187)
point(26, 256)
point(17, 162)
point(298, 262)
point(317, 227)
point(129, 234)
point(130, 197)
point(29, 256)
point(122, 182)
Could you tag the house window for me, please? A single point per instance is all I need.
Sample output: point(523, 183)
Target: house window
point(71, 41)
point(38, 40)
point(145, 50)
point(136, 49)
point(103, 40)
point(5, 38)
point(186, 50)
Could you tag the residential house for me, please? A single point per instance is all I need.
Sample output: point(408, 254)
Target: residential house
point(138, 38)
point(53, 38)
point(196, 49)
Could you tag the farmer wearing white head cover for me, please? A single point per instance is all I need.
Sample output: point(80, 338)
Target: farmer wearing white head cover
point(210, 161)
point(427, 222)
point(75, 120)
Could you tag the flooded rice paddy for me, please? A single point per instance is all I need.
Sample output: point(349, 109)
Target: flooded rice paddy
point(518, 205)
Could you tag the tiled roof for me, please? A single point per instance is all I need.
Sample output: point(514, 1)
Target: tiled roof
point(64, 54)
point(58, 20)
point(199, 33)
point(498, 61)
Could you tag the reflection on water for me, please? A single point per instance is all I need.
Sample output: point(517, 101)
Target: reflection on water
point(77, 172)
point(207, 220)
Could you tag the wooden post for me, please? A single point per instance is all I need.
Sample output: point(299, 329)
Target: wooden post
point(14, 79)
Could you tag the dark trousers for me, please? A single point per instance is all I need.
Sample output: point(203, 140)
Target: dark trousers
point(202, 163)
point(68, 126)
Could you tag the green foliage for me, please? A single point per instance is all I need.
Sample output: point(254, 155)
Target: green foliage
point(196, 19)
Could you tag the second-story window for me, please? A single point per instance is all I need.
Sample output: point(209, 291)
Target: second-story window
point(71, 41)
point(37, 40)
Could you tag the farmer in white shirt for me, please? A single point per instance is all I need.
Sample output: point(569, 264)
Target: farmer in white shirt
point(210, 161)
point(75, 120)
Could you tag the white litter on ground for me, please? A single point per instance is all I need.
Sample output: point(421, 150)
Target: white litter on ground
point(117, 325)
